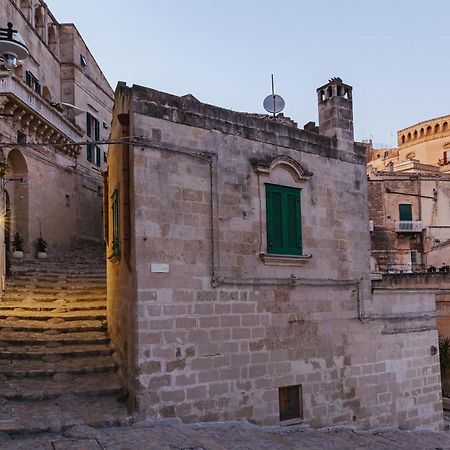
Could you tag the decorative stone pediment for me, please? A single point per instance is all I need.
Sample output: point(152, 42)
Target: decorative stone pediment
point(286, 162)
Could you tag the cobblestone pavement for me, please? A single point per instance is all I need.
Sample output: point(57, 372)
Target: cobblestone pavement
point(173, 435)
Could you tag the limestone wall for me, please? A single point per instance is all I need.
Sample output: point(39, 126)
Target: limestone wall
point(121, 271)
point(222, 325)
point(63, 195)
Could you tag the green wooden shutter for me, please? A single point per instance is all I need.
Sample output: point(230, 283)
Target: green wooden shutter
point(405, 212)
point(275, 240)
point(293, 222)
point(88, 124)
point(90, 152)
point(97, 130)
point(283, 220)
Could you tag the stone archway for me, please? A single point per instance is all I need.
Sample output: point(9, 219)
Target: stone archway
point(18, 195)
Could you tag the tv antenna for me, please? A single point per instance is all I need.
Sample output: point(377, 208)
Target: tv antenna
point(273, 103)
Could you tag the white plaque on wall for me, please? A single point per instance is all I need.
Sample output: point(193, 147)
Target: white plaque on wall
point(160, 268)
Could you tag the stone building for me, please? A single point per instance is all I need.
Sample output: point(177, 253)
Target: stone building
point(409, 198)
point(61, 196)
point(239, 273)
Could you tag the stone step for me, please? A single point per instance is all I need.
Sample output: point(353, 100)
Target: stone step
point(30, 276)
point(96, 384)
point(39, 368)
point(57, 306)
point(52, 315)
point(57, 290)
point(13, 337)
point(60, 284)
point(52, 298)
point(63, 327)
point(53, 352)
point(40, 416)
point(38, 271)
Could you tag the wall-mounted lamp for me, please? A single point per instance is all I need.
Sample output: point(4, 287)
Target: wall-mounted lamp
point(12, 47)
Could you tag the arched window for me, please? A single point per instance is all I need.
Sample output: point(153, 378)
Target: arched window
point(39, 21)
point(437, 128)
point(445, 126)
point(422, 132)
point(25, 6)
point(51, 37)
point(46, 94)
point(409, 136)
point(429, 130)
point(403, 139)
point(415, 134)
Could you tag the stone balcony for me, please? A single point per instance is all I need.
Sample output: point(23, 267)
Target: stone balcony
point(42, 122)
point(408, 226)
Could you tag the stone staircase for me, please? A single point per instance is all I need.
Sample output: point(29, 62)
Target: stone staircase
point(56, 360)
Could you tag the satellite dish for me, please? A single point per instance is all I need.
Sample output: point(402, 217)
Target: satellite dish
point(273, 103)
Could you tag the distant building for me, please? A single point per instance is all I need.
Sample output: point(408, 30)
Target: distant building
point(61, 197)
point(409, 198)
point(239, 274)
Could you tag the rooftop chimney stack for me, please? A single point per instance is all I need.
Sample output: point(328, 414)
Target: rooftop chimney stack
point(336, 112)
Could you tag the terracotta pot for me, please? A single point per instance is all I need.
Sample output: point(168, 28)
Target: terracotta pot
point(17, 254)
point(41, 255)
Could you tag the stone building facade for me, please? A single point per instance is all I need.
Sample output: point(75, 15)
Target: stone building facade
point(409, 198)
point(239, 274)
point(62, 195)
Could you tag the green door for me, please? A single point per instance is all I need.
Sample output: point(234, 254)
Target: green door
point(405, 212)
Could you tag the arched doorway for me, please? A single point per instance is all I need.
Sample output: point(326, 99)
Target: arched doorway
point(17, 192)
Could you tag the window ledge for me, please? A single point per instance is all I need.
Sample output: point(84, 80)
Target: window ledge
point(284, 260)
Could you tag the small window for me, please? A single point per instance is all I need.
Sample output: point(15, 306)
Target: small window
point(21, 137)
point(67, 201)
point(33, 82)
point(283, 220)
point(446, 156)
point(83, 61)
point(115, 243)
point(289, 398)
point(93, 152)
point(105, 157)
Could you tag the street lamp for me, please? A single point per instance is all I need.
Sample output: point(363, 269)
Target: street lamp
point(12, 47)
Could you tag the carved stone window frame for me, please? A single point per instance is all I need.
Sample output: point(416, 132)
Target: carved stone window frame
point(299, 176)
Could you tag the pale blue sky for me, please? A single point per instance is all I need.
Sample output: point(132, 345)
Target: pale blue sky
point(395, 54)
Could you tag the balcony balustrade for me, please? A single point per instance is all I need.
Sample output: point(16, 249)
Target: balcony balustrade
point(408, 226)
point(42, 120)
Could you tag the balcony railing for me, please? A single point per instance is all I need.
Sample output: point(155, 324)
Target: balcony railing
point(404, 268)
point(36, 105)
point(408, 226)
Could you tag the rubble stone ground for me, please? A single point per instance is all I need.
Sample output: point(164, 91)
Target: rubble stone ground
point(173, 435)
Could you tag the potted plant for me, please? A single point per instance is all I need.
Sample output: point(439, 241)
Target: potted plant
point(41, 247)
point(17, 246)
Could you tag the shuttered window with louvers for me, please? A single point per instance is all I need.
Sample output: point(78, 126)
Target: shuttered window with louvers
point(283, 220)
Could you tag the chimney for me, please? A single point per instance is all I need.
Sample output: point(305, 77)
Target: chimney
point(336, 112)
